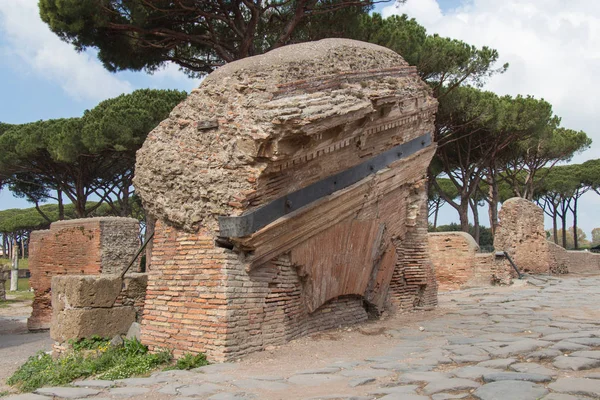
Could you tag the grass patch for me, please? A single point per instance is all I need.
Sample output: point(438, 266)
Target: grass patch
point(189, 361)
point(96, 357)
point(23, 262)
point(22, 286)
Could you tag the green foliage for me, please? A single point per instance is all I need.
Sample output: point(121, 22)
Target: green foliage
point(190, 361)
point(79, 157)
point(485, 234)
point(442, 62)
point(198, 36)
point(94, 343)
point(103, 361)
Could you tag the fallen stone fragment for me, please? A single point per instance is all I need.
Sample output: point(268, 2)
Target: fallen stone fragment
point(505, 390)
point(577, 386)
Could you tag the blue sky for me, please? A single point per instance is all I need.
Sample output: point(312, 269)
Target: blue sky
point(553, 47)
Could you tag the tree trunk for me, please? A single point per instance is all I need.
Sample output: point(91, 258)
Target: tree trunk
point(22, 246)
point(435, 216)
point(493, 203)
point(575, 241)
point(463, 214)
point(4, 245)
point(14, 273)
point(564, 229)
point(475, 220)
point(554, 227)
point(61, 207)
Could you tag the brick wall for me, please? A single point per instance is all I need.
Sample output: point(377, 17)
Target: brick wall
point(76, 247)
point(574, 262)
point(458, 264)
point(206, 298)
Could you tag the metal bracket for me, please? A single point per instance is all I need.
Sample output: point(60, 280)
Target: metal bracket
point(248, 223)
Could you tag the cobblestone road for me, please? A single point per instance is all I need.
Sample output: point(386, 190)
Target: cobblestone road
point(536, 341)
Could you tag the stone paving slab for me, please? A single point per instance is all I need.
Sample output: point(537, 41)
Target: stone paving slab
point(494, 345)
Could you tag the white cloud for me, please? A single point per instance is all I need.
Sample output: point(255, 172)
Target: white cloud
point(553, 47)
point(30, 43)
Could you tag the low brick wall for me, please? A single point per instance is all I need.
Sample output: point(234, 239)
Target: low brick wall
point(458, 265)
point(87, 246)
point(574, 262)
point(88, 305)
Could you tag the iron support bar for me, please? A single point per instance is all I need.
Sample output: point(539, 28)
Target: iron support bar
point(510, 260)
point(137, 254)
point(252, 221)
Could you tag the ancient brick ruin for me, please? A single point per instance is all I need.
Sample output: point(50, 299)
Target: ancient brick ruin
point(289, 190)
point(459, 265)
point(77, 247)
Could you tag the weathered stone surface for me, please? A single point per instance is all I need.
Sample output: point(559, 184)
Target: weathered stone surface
point(27, 396)
point(577, 386)
point(510, 390)
point(521, 233)
point(450, 384)
point(202, 390)
point(516, 376)
point(94, 383)
point(134, 331)
point(575, 363)
point(67, 393)
point(81, 323)
point(77, 291)
point(128, 391)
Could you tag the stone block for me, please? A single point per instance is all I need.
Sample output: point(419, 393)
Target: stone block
point(77, 291)
point(81, 323)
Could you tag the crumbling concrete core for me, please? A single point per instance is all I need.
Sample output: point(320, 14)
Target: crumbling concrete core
point(289, 190)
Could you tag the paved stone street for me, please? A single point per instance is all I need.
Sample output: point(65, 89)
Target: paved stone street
point(535, 340)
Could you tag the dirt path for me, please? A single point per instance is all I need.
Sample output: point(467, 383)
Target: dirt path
point(16, 343)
